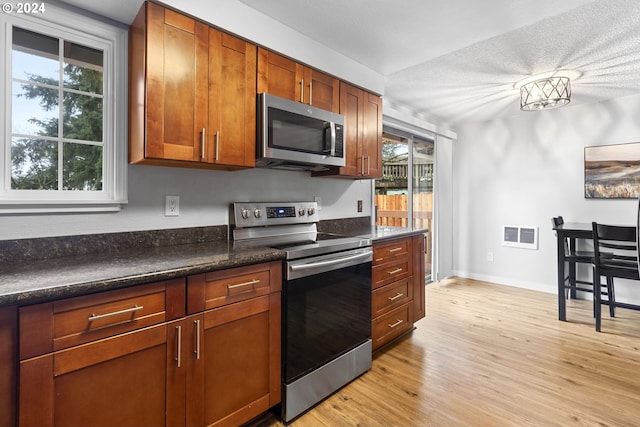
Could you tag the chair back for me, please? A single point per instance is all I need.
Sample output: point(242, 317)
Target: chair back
point(558, 220)
point(615, 250)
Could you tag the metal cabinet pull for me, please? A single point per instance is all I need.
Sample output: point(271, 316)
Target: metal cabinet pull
point(179, 343)
point(239, 285)
point(216, 139)
point(368, 165)
point(196, 325)
point(396, 296)
point(302, 90)
point(361, 165)
point(310, 92)
point(396, 271)
point(115, 313)
point(395, 249)
point(397, 323)
point(203, 143)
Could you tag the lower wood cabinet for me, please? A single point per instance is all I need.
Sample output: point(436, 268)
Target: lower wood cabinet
point(8, 364)
point(128, 380)
point(161, 366)
point(398, 294)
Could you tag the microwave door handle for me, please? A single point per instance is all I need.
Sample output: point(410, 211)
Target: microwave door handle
point(332, 151)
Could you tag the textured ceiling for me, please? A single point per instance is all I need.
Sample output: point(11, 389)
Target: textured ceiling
point(457, 61)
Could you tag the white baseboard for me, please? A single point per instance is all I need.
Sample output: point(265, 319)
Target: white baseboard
point(551, 288)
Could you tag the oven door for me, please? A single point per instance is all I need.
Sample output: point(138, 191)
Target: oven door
point(327, 309)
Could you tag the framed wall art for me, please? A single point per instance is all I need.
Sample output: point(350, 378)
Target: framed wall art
point(612, 171)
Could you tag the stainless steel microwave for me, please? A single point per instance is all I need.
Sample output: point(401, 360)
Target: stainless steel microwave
point(296, 136)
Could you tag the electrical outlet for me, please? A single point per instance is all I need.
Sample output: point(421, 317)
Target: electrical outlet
point(318, 200)
point(490, 256)
point(359, 205)
point(172, 206)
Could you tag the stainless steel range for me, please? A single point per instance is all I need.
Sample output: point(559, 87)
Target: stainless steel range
point(326, 318)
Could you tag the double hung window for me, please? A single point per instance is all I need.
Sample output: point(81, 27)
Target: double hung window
point(63, 144)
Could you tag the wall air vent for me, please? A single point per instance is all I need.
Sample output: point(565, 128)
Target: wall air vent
point(519, 236)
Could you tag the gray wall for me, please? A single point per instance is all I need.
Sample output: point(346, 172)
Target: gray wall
point(204, 200)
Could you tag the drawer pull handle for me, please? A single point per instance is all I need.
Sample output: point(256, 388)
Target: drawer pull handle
point(397, 323)
point(115, 313)
point(395, 249)
point(396, 271)
point(240, 285)
point(395, 297)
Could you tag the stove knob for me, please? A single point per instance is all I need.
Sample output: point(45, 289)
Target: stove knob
point(310, 211)
point(301, 212)
point(245, 213)
point(257, 213)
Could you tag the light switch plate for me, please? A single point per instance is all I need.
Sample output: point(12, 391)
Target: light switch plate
point(172, 206)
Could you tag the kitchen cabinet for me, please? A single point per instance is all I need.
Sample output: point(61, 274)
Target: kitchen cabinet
point(197, 351)
point(8, 365)
point(104, 359)
point(363, 134)
point(398, 294)
point(192, 93)
point(283, 77)
point(240, 343)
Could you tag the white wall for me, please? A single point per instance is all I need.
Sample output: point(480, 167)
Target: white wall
point(524, 171)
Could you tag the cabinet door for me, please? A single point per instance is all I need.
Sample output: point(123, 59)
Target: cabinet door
point(131, 379)
point(8, 365)
point(419, 294)
point(231, 134)
point(372, 135)
point(279, 76)
point(321, 90)
point(351, 107)
point(241, 361)
point(177, 85)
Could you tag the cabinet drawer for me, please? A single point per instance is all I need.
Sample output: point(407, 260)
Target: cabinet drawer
point(391, 325)
point(391, 250)
point(391, 271)
point(218, 288)
point(68, 322)
point(393, 295)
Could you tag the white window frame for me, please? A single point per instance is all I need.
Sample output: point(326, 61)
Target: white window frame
point(112, 40)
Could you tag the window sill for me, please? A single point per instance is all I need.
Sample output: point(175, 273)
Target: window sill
point(58, 208)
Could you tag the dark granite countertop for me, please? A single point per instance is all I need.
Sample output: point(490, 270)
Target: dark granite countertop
point(42, 280)
point(64, 267)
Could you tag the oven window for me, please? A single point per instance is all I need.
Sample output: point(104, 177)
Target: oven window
point(326, 315)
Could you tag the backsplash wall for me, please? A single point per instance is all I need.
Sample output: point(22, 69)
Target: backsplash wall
point(205, 197)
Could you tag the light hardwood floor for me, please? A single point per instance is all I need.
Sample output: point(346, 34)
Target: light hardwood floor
point(492, 355)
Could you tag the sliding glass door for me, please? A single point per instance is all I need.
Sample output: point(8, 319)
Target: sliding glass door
point(404, 194)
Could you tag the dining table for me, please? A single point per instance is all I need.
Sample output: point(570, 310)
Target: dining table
point(572, 232)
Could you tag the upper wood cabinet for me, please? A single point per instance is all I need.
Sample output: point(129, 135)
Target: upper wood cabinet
point(288, 79)
point(363, 134)
point(192, 93)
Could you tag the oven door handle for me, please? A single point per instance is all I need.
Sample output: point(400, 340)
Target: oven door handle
point(327, 263)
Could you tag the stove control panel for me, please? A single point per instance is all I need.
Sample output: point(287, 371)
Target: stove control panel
point(281, 212)
point(277, 213)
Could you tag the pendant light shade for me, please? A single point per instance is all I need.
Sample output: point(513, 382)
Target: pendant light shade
point(545, 94)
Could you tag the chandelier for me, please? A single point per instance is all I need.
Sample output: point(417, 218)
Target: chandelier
point(545, 93)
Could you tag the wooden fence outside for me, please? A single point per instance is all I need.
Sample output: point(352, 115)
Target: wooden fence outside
point(392, 210)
